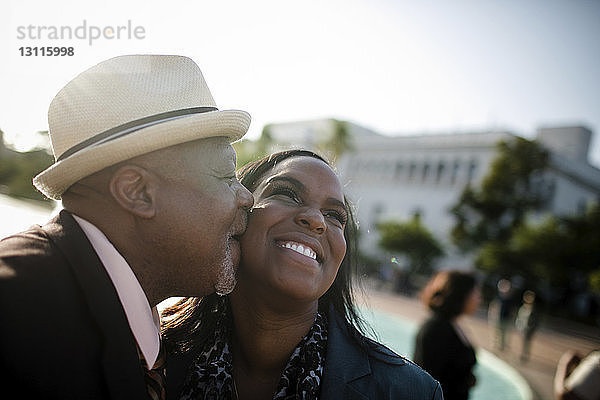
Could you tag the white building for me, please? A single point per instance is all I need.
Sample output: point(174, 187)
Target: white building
point(394, 177)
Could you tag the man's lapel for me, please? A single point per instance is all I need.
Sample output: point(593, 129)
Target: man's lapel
point(121, 363)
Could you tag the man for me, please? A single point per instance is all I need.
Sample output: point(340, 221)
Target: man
point(152, 209)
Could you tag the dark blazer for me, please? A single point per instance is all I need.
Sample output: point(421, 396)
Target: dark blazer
point(63, 331)
point(441, 352)
point(372, 372)
point(351, 371)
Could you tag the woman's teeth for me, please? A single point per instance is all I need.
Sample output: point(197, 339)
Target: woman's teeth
point(298, 248)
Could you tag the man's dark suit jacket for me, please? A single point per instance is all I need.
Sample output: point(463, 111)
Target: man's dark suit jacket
point(351, 371)
point(63, 331)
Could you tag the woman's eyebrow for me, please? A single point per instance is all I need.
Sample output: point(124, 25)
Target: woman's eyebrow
point(301, 187)
point(338, 203)
point(289, 179)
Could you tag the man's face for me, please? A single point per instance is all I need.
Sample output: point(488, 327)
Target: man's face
point(202, 209)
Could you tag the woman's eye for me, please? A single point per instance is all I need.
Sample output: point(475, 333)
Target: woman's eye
point(337, 217)
point(287, 193)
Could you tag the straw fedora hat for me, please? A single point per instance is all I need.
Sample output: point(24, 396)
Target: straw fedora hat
point(128, 106)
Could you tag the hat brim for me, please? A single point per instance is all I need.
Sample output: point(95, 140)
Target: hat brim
point(57, 178)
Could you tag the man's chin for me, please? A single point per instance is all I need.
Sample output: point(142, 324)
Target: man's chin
point(225, 286)
point(234, 252)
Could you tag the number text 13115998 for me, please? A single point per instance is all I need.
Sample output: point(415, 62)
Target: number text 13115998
point(46, 51)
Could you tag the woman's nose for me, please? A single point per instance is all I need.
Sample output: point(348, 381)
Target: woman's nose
point(312, 219)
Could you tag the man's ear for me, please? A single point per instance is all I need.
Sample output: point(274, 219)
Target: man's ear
point(134, 189)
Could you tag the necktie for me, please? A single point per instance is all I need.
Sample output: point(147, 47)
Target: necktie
point(155, 377)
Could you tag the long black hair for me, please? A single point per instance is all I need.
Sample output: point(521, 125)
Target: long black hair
point(192, 321)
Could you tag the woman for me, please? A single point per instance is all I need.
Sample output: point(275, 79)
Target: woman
point(290, 328)
point(441, 347)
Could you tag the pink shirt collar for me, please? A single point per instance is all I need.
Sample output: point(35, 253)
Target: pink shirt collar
point(143, 320)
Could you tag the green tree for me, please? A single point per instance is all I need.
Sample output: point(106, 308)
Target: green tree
point(245, 152)
point(265, 142)
point(18, 169)
point(341, 140)
point(249, 150)
point(493, 221)
point(414, 241)
point(486, 217)
point(556, 248)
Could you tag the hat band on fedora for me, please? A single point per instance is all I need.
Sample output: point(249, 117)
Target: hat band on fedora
point(133, 126)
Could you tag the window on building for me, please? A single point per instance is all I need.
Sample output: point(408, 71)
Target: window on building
point(472, 170)
point(425, 172)
point(412, 169)
point(398, 170)
point(440, 172)
point(455, 169)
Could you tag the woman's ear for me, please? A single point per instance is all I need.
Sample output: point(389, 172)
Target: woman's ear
point(134, 188)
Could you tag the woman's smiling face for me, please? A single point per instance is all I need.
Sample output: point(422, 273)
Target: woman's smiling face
point(294, 243)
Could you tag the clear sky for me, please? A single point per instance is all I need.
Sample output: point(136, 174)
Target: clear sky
point(395, 66)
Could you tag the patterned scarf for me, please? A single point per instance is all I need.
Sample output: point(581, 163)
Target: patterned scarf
point(210, 376)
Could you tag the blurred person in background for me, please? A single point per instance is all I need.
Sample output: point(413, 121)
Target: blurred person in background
point(527, 322)
point(500, 313)
point(441, 346)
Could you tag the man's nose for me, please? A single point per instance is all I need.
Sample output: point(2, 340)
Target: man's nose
point(245, 198)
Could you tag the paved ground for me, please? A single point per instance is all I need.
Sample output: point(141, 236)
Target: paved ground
point(551, 340)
